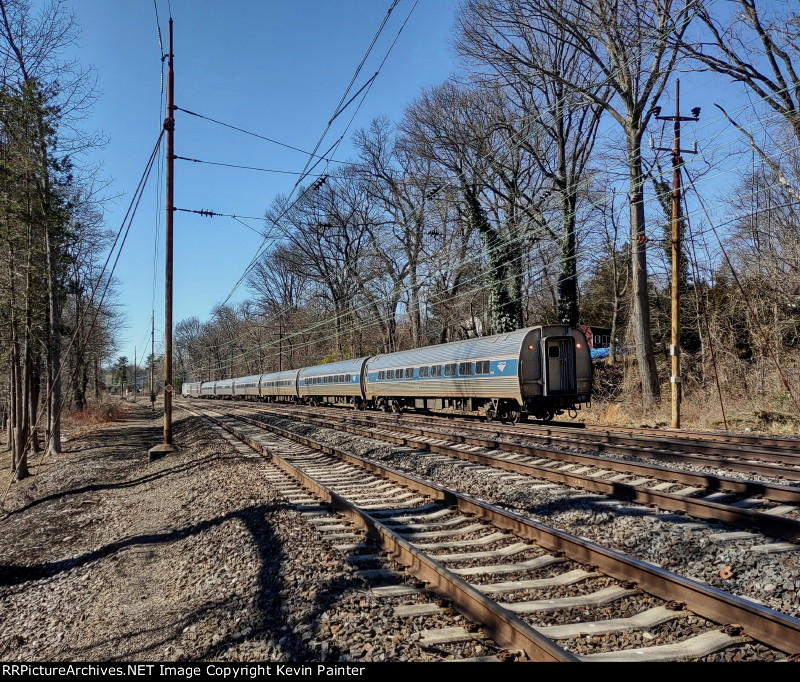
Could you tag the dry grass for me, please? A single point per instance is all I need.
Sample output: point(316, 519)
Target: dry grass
point(754, 397)
point(109, 410)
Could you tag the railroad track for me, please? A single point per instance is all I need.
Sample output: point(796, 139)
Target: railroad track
point(708, 437)
point(744, 453)
point(770, 508)
point(539, 592)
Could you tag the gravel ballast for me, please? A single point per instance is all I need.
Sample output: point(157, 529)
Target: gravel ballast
point(682, 545)
point(193, 557)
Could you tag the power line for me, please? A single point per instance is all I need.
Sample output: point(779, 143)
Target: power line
point(250, 132)
point(361, 324)
point(599, 200)
point(260, 251)
point(306, 169)
point(253, 168)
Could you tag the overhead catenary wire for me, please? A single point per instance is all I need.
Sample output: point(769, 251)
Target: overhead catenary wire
point(595, 202)
point(313, 153)
point(234, 165)
point(260, 251)
point(361, 324)
point(250, 132)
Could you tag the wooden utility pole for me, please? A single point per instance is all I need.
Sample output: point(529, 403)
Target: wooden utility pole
point(135, 374)
point(152, 360)
point(169, 126)
point(677, 238)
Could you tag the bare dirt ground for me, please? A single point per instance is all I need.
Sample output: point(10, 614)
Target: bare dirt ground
point(107, 557)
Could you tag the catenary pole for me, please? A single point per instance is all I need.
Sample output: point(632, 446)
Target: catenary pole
point(676, 239)
point(169, 126)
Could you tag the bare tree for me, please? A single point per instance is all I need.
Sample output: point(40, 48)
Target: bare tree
point(632, 45)
point(758, 46)
point(516, 58)
point(472, 138)
point(56, 93)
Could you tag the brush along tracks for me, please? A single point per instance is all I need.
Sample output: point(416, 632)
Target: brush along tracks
point(770, 508)
point(541, 593)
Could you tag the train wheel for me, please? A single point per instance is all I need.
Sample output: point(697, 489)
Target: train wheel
point(491, 414)
point(396, 407)
point(516, 416)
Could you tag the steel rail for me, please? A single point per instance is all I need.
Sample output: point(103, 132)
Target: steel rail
point(746, 439)
point(769, 524)
point(761, 623)
point(771, 491)
point(506, 628)
point(741, 464)
point(759, 441)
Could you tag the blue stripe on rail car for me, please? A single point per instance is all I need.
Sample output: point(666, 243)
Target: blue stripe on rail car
point(497, 368)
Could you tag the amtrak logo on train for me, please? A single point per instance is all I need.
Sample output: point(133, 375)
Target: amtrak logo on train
point(501, 366)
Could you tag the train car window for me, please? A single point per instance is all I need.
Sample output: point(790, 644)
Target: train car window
point(482, 367)
point(552, 352)
point(409, 372)
point(450, 370)
point(390, 374)
point(348, 378)
point(423, 372)
point(436, 370)
point(381, 375)
point(341, 378)
point(465, 368)
point(398, 374)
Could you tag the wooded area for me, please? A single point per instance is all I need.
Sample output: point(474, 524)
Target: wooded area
point(521, 191)
point(54, 337)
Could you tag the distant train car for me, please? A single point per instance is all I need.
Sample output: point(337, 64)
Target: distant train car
point(247, 388)
point(334, 382)
point(223, 388)
point(279, 386)
point(191, 389)
point(538, 371)
point(207, 389)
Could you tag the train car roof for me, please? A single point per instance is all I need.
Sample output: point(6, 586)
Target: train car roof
point(280, 376)
point(342, 367)
point(509, 343)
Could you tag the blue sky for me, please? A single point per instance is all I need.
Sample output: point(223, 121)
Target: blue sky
point(277, 68)
point(274, 67)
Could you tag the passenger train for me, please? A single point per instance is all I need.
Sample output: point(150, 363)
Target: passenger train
point(539, 371)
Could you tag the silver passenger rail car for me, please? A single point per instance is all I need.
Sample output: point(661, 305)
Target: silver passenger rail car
point(333, 382)
point(207, 389)
point(504, 375)
point(279, 386)
point(247, 388)
point(224, 388)
point(190, 389)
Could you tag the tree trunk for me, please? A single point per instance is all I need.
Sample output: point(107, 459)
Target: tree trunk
point(640, 310)
point(54, 351)
point(568, 280)
point(503, 271)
